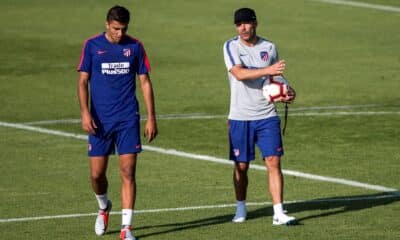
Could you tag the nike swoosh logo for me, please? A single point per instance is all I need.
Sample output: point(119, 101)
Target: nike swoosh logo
point(101, 52)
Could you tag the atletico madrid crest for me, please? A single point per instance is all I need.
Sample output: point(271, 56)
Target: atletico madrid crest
point(127, 52)
point(264, 56)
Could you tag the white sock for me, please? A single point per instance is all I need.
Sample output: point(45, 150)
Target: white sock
point(241, 204)
point(127, 215)
point(241, 207)
point(241, 212)
point(278, 209)
point(102, 200)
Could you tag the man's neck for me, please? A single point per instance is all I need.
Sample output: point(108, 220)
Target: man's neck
point(251, 42)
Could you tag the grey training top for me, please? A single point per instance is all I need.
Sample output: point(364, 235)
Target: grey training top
point(247, 101)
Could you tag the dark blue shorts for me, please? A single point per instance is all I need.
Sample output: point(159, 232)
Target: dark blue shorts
point(244, 135)
point(125, 136)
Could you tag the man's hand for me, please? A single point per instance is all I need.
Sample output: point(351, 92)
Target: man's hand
point(150, 130)
point(290, 96)
point(277, 68)
point(88, 124)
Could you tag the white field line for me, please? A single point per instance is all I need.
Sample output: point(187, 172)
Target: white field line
point(206, 116)
point(57, 121)
point(43, 130)
point(202, 207)
point(305, 114)
point(333, 107)
point(260, 167)
point(195, 116)
point(198, 116)
point(362, 5)
point(174, 152)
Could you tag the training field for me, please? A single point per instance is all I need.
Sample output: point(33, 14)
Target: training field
point(342, 143)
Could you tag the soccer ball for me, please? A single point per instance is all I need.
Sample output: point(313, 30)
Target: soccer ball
point(275, 88)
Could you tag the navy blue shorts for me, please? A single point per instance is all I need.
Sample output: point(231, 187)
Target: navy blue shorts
point(125, 136)
point(244, 135)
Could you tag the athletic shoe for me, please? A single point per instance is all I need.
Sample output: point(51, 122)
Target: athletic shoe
point(101, 224)
point(126, 234)
point(240, 215)
point(283, 219)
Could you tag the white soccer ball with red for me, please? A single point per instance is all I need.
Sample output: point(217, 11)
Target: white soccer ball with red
point(275, 89)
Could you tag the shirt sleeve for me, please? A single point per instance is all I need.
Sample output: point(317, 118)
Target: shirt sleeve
point(231, 55)
point(85, 63)
point(143, 61)
point(275, 56)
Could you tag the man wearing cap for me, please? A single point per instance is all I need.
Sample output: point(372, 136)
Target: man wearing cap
point(250, 59)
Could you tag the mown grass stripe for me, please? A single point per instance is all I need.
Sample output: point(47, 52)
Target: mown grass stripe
point(208, 158)
point(203, 207)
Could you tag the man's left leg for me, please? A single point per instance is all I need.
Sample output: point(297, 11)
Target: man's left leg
point(128, 192)
point(275, 180)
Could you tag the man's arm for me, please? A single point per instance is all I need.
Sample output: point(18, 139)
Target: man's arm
point(242, 73)
point(150, 131)
point(88, 125)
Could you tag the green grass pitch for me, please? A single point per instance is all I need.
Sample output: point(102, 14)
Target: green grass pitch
point(342, 60)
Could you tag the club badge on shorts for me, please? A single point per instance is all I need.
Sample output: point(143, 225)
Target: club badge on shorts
point(236, 152)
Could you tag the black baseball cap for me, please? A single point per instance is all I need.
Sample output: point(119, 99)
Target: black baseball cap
point(245, 15)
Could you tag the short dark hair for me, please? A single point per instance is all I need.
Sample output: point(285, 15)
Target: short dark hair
point(119, 14)
point(246, 15)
